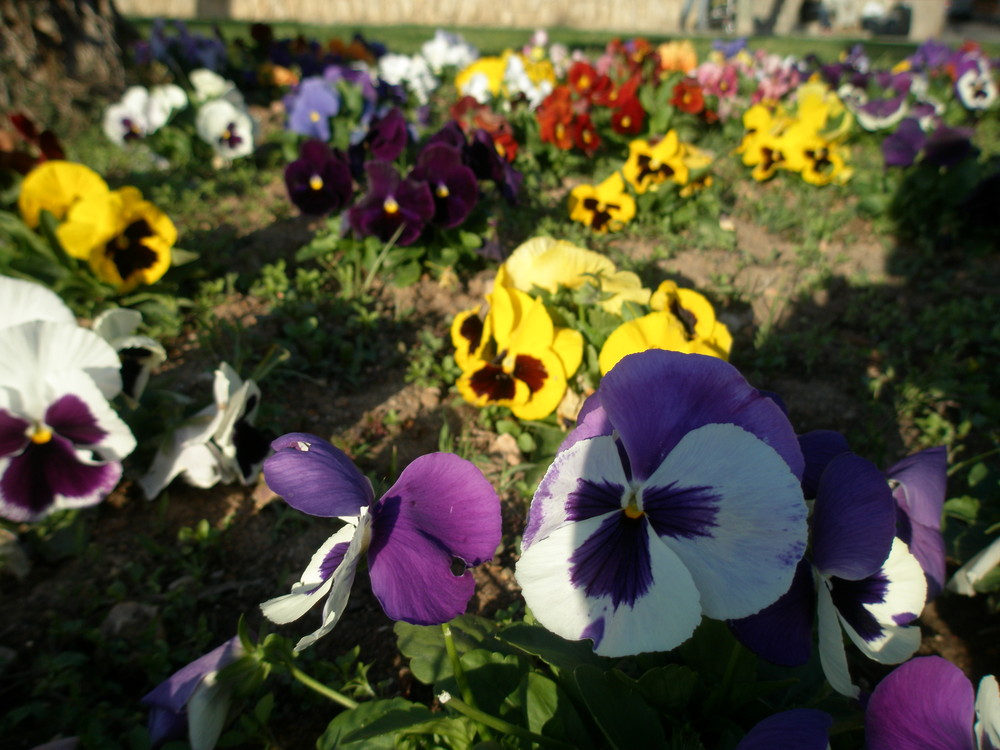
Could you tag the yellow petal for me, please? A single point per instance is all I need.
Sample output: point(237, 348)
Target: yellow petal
point(549, 264)
point(658, 330)
point(55, 186)
point(568, 346)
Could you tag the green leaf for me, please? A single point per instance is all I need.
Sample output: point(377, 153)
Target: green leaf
point(964, 508)
point(669, 688)
point(180, 257)
point(373, 724)
point(492, 677)
point(262, 711)
point(626, 721)
point(424, 645)
point(549, 711)
point(549, 647)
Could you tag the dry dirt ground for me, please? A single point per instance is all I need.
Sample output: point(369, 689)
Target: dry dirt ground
point(262, 548)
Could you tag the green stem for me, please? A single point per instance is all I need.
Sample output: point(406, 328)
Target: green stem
point(381, 258)
point(456, 665)
point(727, 678)
point(499, 724)
point(322, 689)
point(968, 461)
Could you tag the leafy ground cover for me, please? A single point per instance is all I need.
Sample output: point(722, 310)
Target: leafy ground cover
point(867, 304)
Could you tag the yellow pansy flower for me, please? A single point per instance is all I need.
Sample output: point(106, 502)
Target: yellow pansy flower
point(55, 186)
point(647, 167)
point(604, 207)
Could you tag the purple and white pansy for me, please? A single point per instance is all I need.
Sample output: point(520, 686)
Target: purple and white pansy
point(677, 495)
point(929, 703)
point(439, 519)
point(861, 578)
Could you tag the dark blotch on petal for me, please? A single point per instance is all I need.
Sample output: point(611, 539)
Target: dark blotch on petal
point(850, 597)
point(531, 371)
point(614, 561)
point(491, 381)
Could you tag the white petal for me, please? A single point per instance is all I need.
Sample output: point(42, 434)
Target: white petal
point(988, 713)
point(661, 619)
point(24, 301)
point(832, 655)
point(207, 710)
point(964, 580)
point(116, 323)
point(747, 559)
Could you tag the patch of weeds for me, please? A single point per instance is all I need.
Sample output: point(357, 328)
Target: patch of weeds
point(429, 364)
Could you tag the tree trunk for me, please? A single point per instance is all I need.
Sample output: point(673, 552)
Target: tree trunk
point(60, 58)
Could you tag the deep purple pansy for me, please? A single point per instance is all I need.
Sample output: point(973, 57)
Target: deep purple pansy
point(929, 703)
point(664, 505)
point(452, 184)
point(946, 146)
point(387, 135)
point(900, 148)
point(319, 181)
point(487, 164)
point(797, 729)
point(192, 702)
point(861, 579)
point(311, 106)
point(390, 204)
point(439, 519)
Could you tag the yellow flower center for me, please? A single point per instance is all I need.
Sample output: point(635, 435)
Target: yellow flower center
point(226, 134)
point(41, 435)
point(500, 149)
point(314, 116)
point(442, 191)
point(584, 83)
point(626, 121)
point(316, 182)
point(390, 206)
point(633, 506)
point(654, 164)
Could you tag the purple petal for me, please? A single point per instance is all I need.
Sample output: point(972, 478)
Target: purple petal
point(927, 545)
point(70, 417)
point(614, 561)
point(13, 433)
point(797, 729)
point(442, 512)
point(654, 398)
point(854, 519)
point(900, 149)
point(173, 693)
point(782, 632)
point(316, 478)
point(925, 703)
point(921, 488)
point(819, 447)
point(388, 135)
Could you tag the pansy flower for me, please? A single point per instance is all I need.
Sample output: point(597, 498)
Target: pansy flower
point(651, 164)
point(61, 443)
point(929, 703)
point(142, 111)
point(227, 128)
point(193, 703)
point(604, 207)
point(528, 362)
point(549, 264)
point(311, 106)
point(319, 181)
point(582, 78)
point(629, 117)
point(219, 443)
point(487, 163)
point(678, 55)
point(440, 518)
point(688, 96)
point(664, 504)
point(796, 729)
point(392, 204)
point(682, 321)
point(126, 240)
point(974, 84)
point(901, 147)
point(452, 184)
point(139, 354)
point(55, 186)
point(860, 579)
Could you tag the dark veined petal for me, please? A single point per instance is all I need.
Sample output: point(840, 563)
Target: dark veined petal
point(316, 478)
point(440, 517)
point(924, 703)
point(819, 447)
point(13, 433)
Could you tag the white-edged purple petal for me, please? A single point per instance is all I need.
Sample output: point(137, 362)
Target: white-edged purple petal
point(331, 569)
point(797, 729)
point(819, 447)
point(654, 398)
point(590, 422)
point(78, 411)
point(440, 514)
point(877, 611)
point(830, 637)
point(782, 632)
point(924, 703)
point(316, 478)
point(551, 576)
point(563, 491)
point(174, 692)
point(24, 301)
point(987, 727)
point(13, 432)
point(854, 519)
point(965, 578)
point(732, 510)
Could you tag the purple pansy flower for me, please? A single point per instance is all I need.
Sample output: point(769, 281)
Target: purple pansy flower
point(387, 135)
point(440, 516)
point(487, 164)
point(310, 108)
point(797, 729)
point(918, 485)
point(947, 146)
point(61, 446)
point(665, 504)
point(928, 703)
point(319, 181)
point(391, 203)
point(452, 184)
point(880, 114)
point(192, 702)
point(974, 84)
point(861, 578)
point(900, 149)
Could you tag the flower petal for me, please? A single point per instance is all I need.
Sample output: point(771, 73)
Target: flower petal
point(832, 655)
point(174, 692)
point(797, 729)
point(732, 510)
point(440, 508)
point(924, 703)
point(693, 390)
point(670, 598)
point(316, 478)
point(24, 301)
point(988, 714)
point(921, 488)
point(964, 580)
point(819, 447)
